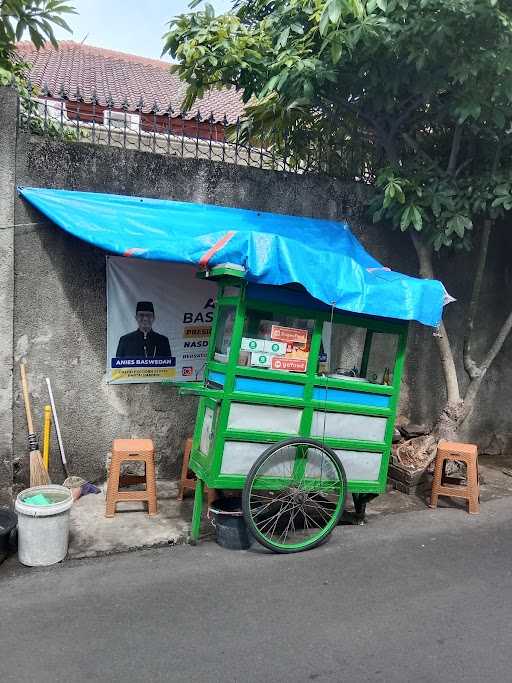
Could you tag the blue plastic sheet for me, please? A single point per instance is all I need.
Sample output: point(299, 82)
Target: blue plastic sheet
point(274, 249)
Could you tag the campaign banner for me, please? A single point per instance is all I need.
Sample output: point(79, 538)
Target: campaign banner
point(159, 318)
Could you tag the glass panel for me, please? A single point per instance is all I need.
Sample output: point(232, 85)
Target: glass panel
point(231, 291)
point(263, 418)
point(207, 430)
point(276, 341)
point(342, 350)
point(238, 456)
point(224, 333)
point(358, 353)
point(348, 426)
point(359, 465)
point(381, 360)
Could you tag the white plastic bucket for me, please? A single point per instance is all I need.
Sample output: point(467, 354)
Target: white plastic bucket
point(43, 530)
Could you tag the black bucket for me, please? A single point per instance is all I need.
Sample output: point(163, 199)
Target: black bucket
point(228, 519)
point(8, 522)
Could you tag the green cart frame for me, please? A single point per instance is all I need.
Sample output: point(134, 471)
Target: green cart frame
point(242, 410)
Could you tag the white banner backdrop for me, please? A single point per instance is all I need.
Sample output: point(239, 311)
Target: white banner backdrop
point(159, 318)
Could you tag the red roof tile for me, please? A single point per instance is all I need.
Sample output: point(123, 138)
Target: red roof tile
point(92, 71)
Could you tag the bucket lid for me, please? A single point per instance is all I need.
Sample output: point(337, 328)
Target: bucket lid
point(60, 494)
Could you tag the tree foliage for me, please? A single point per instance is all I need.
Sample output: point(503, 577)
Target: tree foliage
point(410, 96)
point(419, 90)
point(38, 18)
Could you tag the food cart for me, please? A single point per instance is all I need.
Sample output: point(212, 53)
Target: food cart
point(301, 383)
point(322, 385)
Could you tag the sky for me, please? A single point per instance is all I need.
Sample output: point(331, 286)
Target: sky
point(127, 25)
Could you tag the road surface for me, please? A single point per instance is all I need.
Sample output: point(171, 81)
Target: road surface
point(424, 596)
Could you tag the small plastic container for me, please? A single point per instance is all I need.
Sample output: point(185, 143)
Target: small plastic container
point(8, 523)
point(228, 519)
point(43, 530)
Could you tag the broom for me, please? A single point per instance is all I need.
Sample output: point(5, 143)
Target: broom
point(79, 486)
point(38, 473)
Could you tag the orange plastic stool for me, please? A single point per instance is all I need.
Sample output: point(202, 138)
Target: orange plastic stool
point(188, 480)
point(131, 450)
point(457, 452)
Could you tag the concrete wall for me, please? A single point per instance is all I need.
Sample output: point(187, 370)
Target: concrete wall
point(8, 117)
point(60, 308)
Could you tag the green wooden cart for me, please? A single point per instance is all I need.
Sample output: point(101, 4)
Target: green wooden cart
point(297, 407)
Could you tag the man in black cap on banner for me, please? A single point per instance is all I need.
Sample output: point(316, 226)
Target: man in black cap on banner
point(144, 342)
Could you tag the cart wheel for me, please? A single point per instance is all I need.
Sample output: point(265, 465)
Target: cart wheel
point(294, 495)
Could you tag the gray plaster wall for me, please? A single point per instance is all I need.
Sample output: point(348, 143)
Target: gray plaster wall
point(60, 307)
point(8, 118)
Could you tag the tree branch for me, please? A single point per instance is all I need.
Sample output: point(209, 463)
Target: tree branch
point(454, 153)
point(405, 115)
point(475, 383)
point(359, 112)
point(412, 143)
point(469, 364)
point(463, 166)
point(424, 252)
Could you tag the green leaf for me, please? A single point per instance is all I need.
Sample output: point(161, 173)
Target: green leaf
point(417, 220)
point(458, 224)
point(406, 218)
point(334, 10)
point(324, 21)
point(336, 50)
point(499, 119)
point(438, 242)
point(502, 189)
point(377, 216)
point(382, 4)
point(283, 38)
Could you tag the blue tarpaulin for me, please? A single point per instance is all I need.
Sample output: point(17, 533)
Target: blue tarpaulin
point(323, 256)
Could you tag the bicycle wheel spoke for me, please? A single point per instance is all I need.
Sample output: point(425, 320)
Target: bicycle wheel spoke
point(290, 522)
point(320, 510)
point(294, 494)
point(276, 515)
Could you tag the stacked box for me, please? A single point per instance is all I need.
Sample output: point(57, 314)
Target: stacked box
point(253, 345)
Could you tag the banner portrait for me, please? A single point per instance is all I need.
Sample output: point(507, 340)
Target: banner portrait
point(159, 318)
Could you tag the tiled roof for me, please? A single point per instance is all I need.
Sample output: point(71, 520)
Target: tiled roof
point(83, 72)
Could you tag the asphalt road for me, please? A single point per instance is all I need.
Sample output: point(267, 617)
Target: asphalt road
point(423, 596)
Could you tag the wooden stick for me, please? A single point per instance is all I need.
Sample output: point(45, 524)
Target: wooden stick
point(47, 430)
point(28, 411)
point(38, 472)
point(57, 428)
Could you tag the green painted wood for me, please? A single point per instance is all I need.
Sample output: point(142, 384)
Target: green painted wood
point(197, 511)
point(273, 437)
point(366, 352)
point(397, 380)
point(229, 382)
point(272, 375)
point(314, 352)
point(209, 469)
point(365, 321)
point(359, 387)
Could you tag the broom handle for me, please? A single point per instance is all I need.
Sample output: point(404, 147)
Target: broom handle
point(26, 399)
point(47, 428)
point(57, 427)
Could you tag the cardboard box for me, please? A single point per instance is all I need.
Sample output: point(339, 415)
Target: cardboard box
point(288, 364)
point(289, 335)
point(261, 359)
point(275, 347)
point(249, 344)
